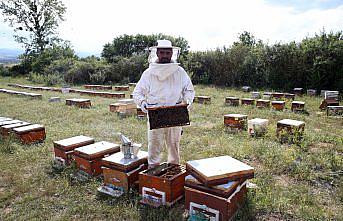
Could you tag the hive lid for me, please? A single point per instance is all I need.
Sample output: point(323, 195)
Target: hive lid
point(117, 161)
point(219, 170)
point(97, 149)
point(291, 122)
point(5, 119)
point(7, 122)
point(74, 142)
point(236, 115)
point(278, 102)
point(258, 120)
point(79, 99)
point(10, 126)
point(298, 102)
point(32, 127)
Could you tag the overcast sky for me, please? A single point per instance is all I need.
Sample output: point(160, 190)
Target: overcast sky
point(204, 24)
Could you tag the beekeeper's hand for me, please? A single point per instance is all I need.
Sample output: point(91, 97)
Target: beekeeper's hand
point(189, 104)
point(144, 106)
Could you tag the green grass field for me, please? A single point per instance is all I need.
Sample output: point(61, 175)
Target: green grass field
point(294, 182)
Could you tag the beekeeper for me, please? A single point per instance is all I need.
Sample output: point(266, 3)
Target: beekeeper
point(164, 83)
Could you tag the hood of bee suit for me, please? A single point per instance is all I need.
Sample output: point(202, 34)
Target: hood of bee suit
point(163, 71)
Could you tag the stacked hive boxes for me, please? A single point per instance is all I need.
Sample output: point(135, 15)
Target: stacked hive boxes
point(216, 187)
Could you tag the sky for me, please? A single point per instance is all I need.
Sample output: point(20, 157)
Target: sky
point(205, 24)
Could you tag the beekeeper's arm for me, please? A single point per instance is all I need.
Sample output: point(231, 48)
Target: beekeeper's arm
point(188, 90)
point(140, 92)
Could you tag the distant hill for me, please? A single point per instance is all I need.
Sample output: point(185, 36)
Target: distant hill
point(9, 56)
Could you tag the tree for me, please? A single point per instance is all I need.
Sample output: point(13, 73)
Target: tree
point(129, 45)
point(34, 21)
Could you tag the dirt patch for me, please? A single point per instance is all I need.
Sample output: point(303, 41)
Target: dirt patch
point(283, 180)
point(318, 147)
point(7, 210)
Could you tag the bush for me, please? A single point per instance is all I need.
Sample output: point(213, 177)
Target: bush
point(48, 80)
point(4, 71)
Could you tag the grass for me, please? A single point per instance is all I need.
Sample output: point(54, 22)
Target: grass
point(295, 182)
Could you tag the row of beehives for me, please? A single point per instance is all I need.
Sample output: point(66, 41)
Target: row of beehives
point(123, 107)
point(296, 91)
point(26, 132)
point(81, 92)
point(286, 128)
point(21, 93)
point(215, 190)
point(108, 87)
point(260, 103)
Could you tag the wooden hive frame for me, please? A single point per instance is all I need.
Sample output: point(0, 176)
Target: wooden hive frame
point(168, 116)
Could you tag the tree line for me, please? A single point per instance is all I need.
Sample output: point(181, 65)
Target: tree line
point(315, 62)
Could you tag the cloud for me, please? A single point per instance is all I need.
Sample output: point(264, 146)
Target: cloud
point(205, 24)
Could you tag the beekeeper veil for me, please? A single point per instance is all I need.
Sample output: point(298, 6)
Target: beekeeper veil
point(163, 44)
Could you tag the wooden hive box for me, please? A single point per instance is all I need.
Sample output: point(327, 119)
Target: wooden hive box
point(218, 203)
point(298, 91)
point(79, 102)
point(277, 95)
point(255, 95)
point(113, 95)
point(325, 103)
point(298, 106)
point(121, 172)
point(311, 92)
point(162, 185)
point(257, 127)
point(88, 158)
point(232, 101)
point(202, 99)
point(289, 96)
point(290, 130)
point(168, 116)
point(267, 95)
point(64, 149)
point(31, 133)
point(247, 101)
point(121, 88)
point(236, 121)
point(125, 107)
point(7, 129)
point(331, 95)
point(334, 111)
point(278, 105)
point(219, 170)
point(260, 103)
point(246, 88)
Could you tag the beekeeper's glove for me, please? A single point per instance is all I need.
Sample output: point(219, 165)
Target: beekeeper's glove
point(189, 104)
point(144, 106)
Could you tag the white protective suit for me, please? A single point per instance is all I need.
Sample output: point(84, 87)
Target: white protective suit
point(160, 85)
